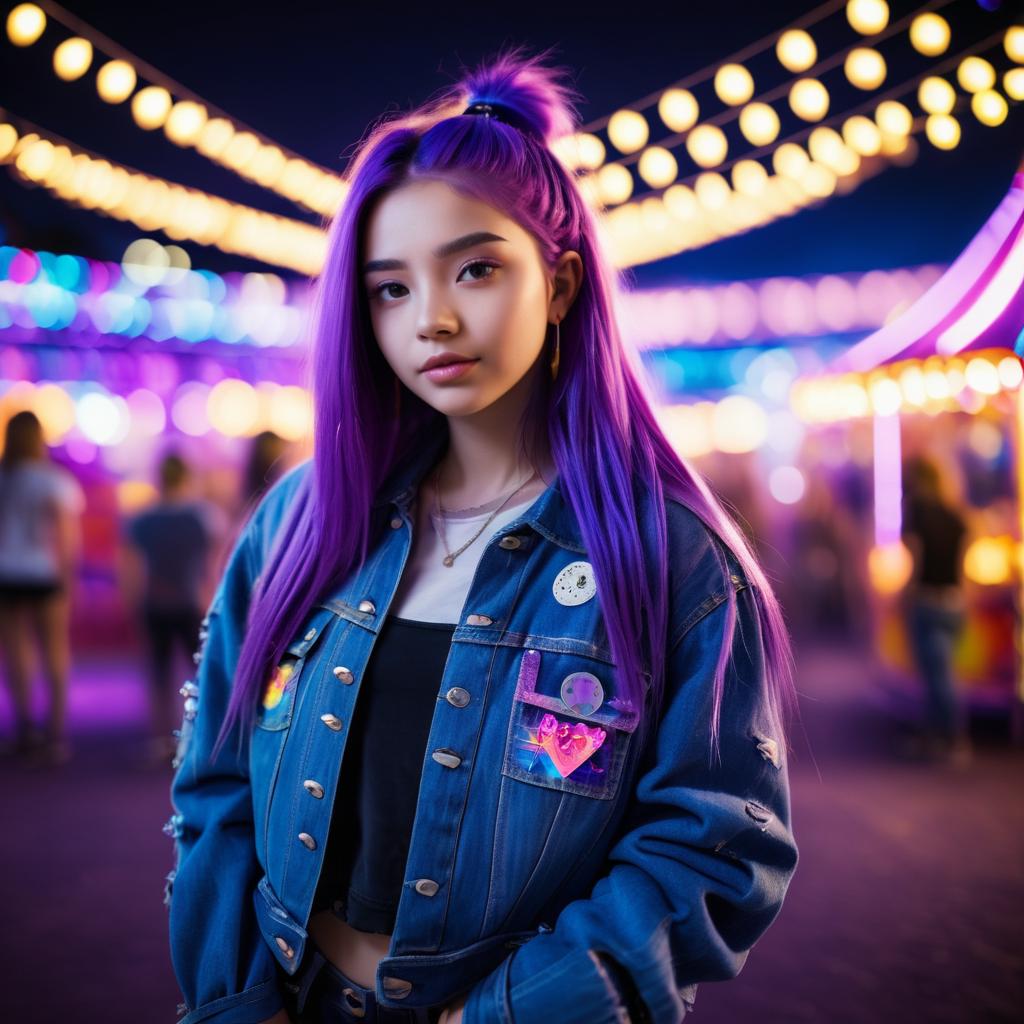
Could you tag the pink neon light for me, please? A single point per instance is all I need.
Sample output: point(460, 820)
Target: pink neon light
point(951, 295)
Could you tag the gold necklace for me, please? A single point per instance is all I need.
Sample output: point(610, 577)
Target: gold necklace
point(450, 556)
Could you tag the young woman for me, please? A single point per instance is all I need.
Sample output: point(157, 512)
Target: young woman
point(40, 505)
point(488, 717)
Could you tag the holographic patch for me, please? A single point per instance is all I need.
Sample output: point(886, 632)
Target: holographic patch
point(554, 746)
point(277, 684)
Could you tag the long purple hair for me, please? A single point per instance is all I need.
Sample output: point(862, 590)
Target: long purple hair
point(613, 460)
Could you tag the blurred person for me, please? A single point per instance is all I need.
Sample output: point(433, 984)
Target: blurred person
point(265, 465)
point(934, 606)
point(165, 562)
point(40, 542)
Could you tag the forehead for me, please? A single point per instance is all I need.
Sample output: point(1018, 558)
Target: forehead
point(421, 215)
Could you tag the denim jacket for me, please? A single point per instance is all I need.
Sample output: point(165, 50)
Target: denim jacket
point(595, 892)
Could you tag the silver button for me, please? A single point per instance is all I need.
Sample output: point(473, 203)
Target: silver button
point(311, 634)
point(331, 721)
point(447, 757)
point(367, 606)
point(313, 788)
point(479, 620)
point(284, 947)
point(397, 988)
point(457, 696)
point(307, 840)
point(510, 543)
point(343, 673)
point(426, 886)
point(396, 523)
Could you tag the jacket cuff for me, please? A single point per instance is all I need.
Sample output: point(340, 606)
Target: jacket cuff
point(252, 1006)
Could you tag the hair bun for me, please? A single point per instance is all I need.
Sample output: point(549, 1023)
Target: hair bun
point(536, 96)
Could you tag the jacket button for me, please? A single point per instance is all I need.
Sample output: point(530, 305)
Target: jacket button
point(367, 606)
point(311, 634)
point(313, 788)
point(397, 988)
point(447, 757)
point(457, 696)
point(426, 886)
point(396, 523)
point(307, 840)
point(284, 947)
point(343, 673)
point(331, 721)
point(510, 543)
point(479, 620)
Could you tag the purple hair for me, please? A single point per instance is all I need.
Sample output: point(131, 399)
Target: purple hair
point(607, 445)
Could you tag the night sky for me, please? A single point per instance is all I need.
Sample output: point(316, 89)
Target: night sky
point(313, 76)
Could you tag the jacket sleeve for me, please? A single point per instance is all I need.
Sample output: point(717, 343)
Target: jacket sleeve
point(700, 865)
point(224, 968)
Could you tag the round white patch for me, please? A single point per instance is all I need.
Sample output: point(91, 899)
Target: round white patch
point(582, 693)
point(574, 584)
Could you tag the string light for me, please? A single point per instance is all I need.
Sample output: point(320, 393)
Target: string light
point(894, 118)
point(707, 145)
point(678, 109)
point(150, 107)
point(658, 167)
point(733, 84)
point(25, 24)
point(796, 50)
point(759, 124)
point(936, 96)
point(943, 131)
point(808, 99)
point(975, 74)
point(929, 34)
point(72, 58)
point(628, 131)
point(865, 68)
point(1013, 43)
point(868, 17)
point(989, 107)
point(115, 81)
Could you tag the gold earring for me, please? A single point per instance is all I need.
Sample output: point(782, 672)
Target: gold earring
point(557, 355)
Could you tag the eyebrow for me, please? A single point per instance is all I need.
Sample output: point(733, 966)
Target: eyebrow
point(440, 253)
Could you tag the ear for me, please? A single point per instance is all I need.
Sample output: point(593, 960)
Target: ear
point(567, 277)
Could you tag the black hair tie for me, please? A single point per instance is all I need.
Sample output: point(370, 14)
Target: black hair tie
point(500, 112)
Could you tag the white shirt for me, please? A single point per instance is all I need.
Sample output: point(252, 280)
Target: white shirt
point(31, 494)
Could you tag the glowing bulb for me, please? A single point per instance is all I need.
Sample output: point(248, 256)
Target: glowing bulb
point(614, 184)
point(628, 131)
point(975, 74)
point(25, 24)
point(150, 107)
point(185, 122)
point(759, 124)
point(72, 58)
point(733, 84)
point(796, 50)
point(894, 118)
point(943, 131)
point(936, 96)
point(1013, 43)
point(657, 167)
point(929, 34)
point(867, 16)
point(678, 109)
point(707, 145)
point(809, 99)
point(749, 178)
point(790, 160)
point(115, 81)
point(989, 107)
point(865, 68)
point(1013, 83)
point(861, 134)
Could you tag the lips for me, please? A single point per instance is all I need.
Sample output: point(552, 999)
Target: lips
point(435, 364)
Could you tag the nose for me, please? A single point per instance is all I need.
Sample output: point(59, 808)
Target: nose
point(436, 317)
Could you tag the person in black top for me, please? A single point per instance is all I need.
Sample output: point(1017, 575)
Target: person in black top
point(934, 531)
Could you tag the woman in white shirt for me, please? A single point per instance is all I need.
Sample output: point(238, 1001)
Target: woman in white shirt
point(40, 505)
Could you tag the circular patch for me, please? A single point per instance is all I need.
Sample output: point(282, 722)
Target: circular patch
point(582, 693)
point(574, 584)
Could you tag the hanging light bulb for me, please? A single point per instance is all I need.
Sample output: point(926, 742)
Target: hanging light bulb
point(943, 131)
point(808, 99)
point(678, 109)
point(72, 58)
point(115, 81)
point(867, 17)
point(936, 96)
point(989, 107)
point(733, 84)
point(796, 50)
point(759, 124)
point(975, 74)
point(865, 68)
point(929, 34)
point(628, 131)
point(707, 145)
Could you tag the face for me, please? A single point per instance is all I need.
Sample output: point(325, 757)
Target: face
point(445, 273)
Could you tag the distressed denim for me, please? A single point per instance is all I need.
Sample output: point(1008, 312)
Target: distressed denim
point(599, 894)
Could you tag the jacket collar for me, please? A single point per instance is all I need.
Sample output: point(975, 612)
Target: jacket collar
point(550, 515)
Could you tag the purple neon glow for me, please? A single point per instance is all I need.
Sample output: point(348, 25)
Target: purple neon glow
point(953, 297)
point(888, 480)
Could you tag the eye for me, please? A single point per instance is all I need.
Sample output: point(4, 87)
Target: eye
point(383, 291)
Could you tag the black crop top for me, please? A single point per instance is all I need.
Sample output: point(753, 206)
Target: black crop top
point(368, 844)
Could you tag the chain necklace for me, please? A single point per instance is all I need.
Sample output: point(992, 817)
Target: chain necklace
point(450, 556)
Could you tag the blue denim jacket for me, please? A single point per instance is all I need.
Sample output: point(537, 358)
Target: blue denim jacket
point(567, 895)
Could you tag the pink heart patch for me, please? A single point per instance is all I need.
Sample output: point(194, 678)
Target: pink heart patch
point(568, 745)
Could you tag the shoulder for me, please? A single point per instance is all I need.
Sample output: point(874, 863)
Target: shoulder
point(702, 568)
point(275, 506)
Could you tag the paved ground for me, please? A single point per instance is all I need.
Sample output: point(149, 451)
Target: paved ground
point(906, 905)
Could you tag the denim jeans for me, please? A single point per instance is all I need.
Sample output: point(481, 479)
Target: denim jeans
point(320, 993)
point(933, 632)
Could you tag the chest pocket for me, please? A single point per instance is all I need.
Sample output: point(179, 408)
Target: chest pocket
point(277, 700)
point(567, 731)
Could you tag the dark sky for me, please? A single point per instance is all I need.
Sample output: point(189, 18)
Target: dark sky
point(312, 76)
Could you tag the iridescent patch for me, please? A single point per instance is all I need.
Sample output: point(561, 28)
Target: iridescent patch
point(555, 746)
point(277, 684)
